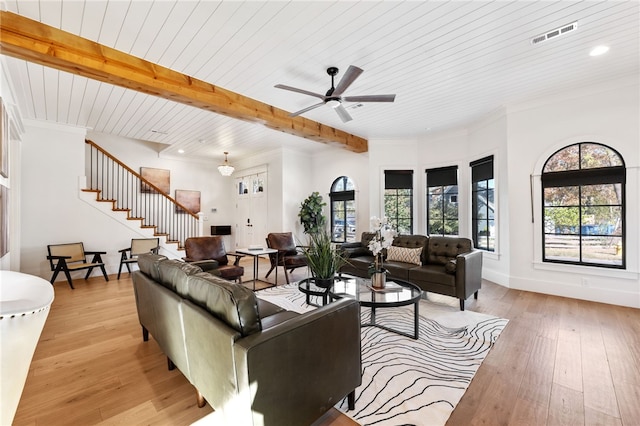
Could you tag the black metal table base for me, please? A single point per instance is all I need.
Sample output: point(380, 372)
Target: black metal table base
point(416, 323)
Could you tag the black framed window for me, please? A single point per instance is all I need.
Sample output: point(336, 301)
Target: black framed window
point(442, 201)
point(483, 223)
point(583, 192)
point(398, 200)
point(343, 210)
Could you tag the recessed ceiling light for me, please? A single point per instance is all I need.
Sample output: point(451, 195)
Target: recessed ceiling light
point(599, 50)
point(181, 151)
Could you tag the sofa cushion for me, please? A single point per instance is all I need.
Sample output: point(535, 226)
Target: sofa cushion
point(413, 241)
point(405, 254)
point(148, 264)
point(366, 239)
point(442, 249)
point(174, 274)
point(234, 304)
point(431, 273)
point(206, 248)
point(450, 266)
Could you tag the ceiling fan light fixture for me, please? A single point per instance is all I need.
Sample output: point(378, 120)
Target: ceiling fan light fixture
point(225, 168)
point(333, 103)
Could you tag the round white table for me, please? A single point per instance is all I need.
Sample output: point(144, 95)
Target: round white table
point(24, 307)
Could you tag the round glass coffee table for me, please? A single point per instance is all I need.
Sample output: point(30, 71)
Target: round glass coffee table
point(309, 288)
point(398, 293)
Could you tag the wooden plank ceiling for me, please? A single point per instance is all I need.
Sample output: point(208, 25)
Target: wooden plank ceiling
point(30, 40)
point(449, 63)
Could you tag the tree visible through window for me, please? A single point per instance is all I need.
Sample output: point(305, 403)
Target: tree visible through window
point(583, 189)
point(343, 210)
point(398, 200)
point(442, 201)
point(483, 204)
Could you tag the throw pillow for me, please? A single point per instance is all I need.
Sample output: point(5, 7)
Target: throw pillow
point(450, 266)
point(404, 254)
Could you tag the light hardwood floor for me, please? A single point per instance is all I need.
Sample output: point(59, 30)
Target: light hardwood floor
point(559, 361)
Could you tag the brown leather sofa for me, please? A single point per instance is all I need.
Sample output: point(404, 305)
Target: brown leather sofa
point(210, 254)
point(254, 362)
point(448, 265)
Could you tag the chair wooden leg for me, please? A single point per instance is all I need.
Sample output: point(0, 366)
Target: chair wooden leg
point(272, 268)
point(351, 400)
point(104, 272)
point(201, 401)
point(88, 273)
point(286, 275)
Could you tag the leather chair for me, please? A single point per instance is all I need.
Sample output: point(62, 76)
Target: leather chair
point(209, 254)
point(289, 256)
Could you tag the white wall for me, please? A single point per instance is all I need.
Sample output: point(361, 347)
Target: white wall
point(11, 260)
point(52, 211)
point(521, 137)
point(609, 115)
point(215, 189)
point(330, 165)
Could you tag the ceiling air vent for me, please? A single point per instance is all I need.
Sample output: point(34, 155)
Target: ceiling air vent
point(555, 33)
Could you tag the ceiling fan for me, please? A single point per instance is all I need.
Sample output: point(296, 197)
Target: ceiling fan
point(334, 98)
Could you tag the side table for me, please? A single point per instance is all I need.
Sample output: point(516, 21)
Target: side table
point(256, 253)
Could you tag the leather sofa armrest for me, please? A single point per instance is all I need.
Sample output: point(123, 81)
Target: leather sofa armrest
point(205, 265)
point(356, 251)
point(468, 273)
point(320, 347)
point(351, 245)
point(237, 256)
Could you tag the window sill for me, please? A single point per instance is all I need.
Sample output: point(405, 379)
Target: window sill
point(587, 270)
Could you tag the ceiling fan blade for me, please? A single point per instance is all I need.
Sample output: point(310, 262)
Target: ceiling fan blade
point(302, 111)
point(349, 77)
point(304, 92)
point(370, 98)
point(343, 114)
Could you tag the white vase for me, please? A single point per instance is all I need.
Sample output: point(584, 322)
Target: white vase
point(24, 307)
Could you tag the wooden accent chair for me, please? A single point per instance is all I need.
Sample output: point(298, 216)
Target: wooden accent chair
point(209, 254)
point(73, 257)
point(138, 246)
point(289, 255)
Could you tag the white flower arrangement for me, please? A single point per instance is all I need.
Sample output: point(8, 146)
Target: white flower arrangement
point(383, 238)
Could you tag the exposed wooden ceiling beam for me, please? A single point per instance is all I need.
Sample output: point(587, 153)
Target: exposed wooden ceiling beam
point(33, 41)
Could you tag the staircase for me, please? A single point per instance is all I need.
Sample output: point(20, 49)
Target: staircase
point(155, 212)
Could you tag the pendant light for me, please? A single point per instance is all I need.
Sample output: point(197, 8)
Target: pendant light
point(225, 168)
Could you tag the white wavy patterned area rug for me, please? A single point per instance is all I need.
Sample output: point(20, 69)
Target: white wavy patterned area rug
point(407, 381)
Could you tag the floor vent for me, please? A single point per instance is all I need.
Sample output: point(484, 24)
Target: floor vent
point(555, 33)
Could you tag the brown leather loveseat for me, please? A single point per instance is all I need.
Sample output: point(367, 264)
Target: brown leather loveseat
point(443, 265)
point(254, 362)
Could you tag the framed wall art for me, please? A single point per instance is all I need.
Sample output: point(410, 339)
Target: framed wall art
point(4, 220)
point(189, 199)
point(158, 177)
point(4, 143)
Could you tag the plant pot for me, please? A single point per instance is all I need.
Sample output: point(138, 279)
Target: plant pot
point(378, 279)
point(324, 282)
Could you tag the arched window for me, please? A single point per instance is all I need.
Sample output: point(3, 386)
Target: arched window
point(583, 191)
point(343, 210)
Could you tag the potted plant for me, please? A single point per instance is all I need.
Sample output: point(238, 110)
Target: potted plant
point(311, 215)
point(323, 258)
